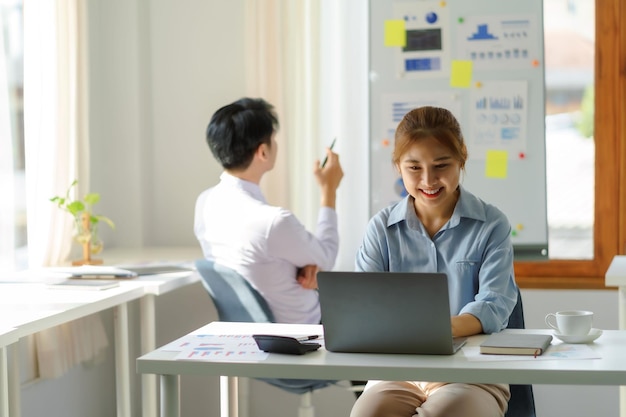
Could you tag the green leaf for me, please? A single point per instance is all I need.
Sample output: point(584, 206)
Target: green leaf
point(92, 198)
point(67, 193)
point(75, 207)
point(107, 221)
point(59, 200)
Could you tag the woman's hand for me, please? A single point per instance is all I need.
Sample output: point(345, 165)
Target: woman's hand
point(466, 325)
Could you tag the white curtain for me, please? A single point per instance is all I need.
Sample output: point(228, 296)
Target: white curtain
point(56, 142)
point(56, 121)
point(282, 48)
point(7, 202)
point(344, 113)
point(310, 59)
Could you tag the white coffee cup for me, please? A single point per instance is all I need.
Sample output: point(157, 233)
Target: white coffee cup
point(571, 322)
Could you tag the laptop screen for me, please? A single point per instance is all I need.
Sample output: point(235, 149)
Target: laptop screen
point(386, 312)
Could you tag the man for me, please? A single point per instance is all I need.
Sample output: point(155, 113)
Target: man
point(266, 244)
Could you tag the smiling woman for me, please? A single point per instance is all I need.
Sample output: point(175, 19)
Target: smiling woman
point(441, 227)
point(430, 161)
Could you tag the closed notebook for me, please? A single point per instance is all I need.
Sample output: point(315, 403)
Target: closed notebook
point(516, 344)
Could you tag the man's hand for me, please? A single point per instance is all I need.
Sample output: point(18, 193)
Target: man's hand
point(307, 277)
point(328, 178)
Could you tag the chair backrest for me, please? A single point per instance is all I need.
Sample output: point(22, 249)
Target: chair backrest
point(522, 401)
point(234, 298)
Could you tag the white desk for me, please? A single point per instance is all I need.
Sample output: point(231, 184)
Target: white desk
point(154, 285)
point(616, 277)
point(23, 322)
point(34, 308)
point(609, 370)
point(8, 336)
point(31, 308)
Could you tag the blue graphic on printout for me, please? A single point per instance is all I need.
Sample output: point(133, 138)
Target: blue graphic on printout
point(399, 109)
point(482, 34)
point(422, 64)
point(399, 188)
point(431, 17)
point(485, 136)
point(514, 53)
point(515, 29)
point(502, 103)
point(510, 133)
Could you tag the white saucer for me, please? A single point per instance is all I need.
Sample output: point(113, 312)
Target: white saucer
point(587, 338)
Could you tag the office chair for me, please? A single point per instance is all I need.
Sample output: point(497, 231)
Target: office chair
point(522, 401)
point(237, 301)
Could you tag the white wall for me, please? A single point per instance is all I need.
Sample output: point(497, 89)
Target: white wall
point(159, 69)
point(573, 401)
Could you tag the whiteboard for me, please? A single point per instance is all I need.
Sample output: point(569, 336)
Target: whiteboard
point(484, 61)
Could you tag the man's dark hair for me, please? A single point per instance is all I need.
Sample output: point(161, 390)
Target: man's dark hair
point(236, 131)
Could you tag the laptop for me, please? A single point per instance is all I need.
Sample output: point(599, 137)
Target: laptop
point(386, 312)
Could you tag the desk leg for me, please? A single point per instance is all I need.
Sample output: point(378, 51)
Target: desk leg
point(122, 361)
point(148, 344)
point(229, 396)
point(170, 396)
point(243, 397)
point(4, 383)
point(13, 372)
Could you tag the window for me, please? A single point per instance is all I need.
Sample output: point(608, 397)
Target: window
point(609, 133)
point(570, 148)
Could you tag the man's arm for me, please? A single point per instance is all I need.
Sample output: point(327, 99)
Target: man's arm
point(329, 177)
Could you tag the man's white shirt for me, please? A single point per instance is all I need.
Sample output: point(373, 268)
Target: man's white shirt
point(265, 244)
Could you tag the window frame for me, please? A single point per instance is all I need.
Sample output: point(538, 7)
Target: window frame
point(610, 164)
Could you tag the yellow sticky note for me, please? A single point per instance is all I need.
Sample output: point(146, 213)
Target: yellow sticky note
point(496, 164)
point(395, 33)
point(461, 74)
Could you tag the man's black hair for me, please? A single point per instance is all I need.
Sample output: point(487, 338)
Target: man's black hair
point(236, 131)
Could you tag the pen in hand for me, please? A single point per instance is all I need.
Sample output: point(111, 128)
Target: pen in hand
point(332, 145)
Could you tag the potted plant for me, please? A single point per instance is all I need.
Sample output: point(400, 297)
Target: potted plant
point(85, 223)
